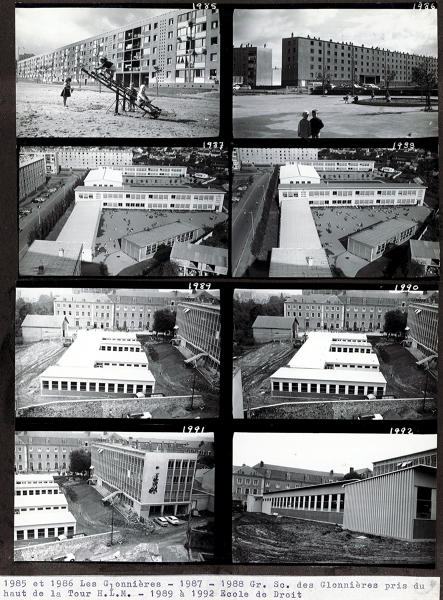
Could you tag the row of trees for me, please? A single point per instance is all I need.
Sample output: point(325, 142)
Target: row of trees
point(257, 242)
point(48, 222)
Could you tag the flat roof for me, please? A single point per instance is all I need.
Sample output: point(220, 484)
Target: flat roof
point(360, 185)
point(424, 249)
point(34, 477)
point(40, 500)
point(380, 232)
point(24, 161)
point(44, 517)
point(45, 253)
point(104, 175)
point(158, 234)
point(425, 468)
point(307, 487)
point(292, 262)
point(200, 253)
point(84, 297)
point(297, 226)
point(82, 223)
point(298, 169)
point(403, 456)
point(151, 188)
point(357, 376)
point(109, 356)
point(315, 352)
point(128, 374)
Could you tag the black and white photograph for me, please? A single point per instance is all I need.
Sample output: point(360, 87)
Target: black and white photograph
point(117, 72)
point(335, 212)
point(335, 73)
point(82, 496)
point(117, 353)
point(335, 354)
point(122, 211)
point(354, 499)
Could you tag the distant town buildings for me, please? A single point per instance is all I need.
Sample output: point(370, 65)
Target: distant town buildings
point(253, 64)
point(307, 59)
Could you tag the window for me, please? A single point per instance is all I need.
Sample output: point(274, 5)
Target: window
point(21, 534)
point(332, 389)
point(41, 533)
point(30, 534)
point(304, 387)
point(424, 502)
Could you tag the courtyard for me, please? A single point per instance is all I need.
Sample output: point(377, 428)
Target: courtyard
point(115, 224)
point(277, 116)
point(90, 113)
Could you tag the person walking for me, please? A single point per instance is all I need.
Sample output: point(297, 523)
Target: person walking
point(316, 125)
point(372, 94)
point(304, 127)
point(66, 91)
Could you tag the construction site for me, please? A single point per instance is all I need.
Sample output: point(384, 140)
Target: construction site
point(180, 391)
point(112, 533)
point(260, 538)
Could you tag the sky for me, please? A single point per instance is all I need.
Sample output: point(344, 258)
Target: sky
point(145, 435)
point(35, 293)
point(324, 451)
point(405, 30)
point(41, 30)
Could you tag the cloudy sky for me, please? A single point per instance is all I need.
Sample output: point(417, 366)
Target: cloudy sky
point(40, 30)
point(323, 451)
point(405, 30)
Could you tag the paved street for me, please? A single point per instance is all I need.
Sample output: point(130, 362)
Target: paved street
point(277, 115)
point(28, 222)
point(244, 214)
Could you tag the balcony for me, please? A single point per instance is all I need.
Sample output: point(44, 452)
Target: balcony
point(200, 64)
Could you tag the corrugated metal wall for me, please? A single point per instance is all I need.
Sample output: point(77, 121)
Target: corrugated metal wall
point(382, 505)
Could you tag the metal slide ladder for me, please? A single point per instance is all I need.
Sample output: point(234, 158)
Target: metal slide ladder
point(122, 92)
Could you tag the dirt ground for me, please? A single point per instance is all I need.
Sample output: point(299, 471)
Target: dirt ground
point(30, 361)
point(40, 113)
point(174, 379)
point(258, 538)
point(257, 365)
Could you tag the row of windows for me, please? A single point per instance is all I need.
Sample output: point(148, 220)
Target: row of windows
point(327, 388)
point(44, 532)
point(92, 386)
point(326, 502)
point(122, 348)
point(36, 492)
point(17, 511)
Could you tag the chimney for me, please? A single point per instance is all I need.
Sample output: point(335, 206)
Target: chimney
point(351, 469)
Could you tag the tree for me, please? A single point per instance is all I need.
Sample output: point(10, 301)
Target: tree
point(163, 253)
point(352, 475)
point(164, 320)
point(80, 461)
point(324, 77)
point(390, 76)
point(426, 80)
point(395, 322)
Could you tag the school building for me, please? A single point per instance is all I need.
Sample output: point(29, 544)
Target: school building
point(197, 330)
point(149, 482)
point(371, 243)
point(100, 365)
point(177, 48)
point(345, 63)
point(199, 260)
point(331, 365)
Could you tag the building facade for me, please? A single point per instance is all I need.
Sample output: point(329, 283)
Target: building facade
point(274, 156)
point(371, 243)
point(253, 64)
point(70, 157)
point(269, 328)
point(198, 259)
point(305, 60)
point(144, 244)
point(31, 175)
point(179, 47)
point(342, 312)
point(423, 327)
point(388, 465)
point(198, 328)
point(153, 198)
point(150, 483)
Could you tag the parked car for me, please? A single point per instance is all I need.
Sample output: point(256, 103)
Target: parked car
point(139, 415)
point(173, 520)
point(374, 417)
point(64, 558)
point(161, 521)
point(61, 538)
